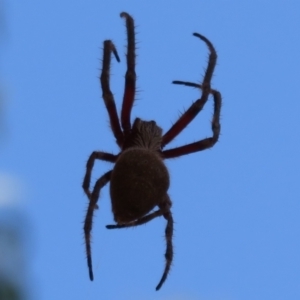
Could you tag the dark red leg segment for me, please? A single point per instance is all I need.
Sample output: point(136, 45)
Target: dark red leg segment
point(215, 125)
point(196, 107)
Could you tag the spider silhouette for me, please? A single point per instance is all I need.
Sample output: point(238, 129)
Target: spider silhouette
point(139, 180)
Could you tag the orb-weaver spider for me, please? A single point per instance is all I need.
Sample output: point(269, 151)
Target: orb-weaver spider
point(139, 180)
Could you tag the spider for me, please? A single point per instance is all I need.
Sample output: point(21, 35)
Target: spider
point(139, 180)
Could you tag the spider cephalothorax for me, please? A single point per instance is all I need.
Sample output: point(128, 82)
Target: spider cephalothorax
point(144, 135)
point(139, 180)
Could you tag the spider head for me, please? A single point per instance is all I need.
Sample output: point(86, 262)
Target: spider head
point(145, 134)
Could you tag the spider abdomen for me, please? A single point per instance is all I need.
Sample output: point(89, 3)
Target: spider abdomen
point(139, 182)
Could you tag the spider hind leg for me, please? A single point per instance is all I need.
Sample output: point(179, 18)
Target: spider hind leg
point(166, 212)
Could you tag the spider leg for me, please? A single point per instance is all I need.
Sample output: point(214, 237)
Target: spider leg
point(207, 142)
point(140, 221)
point(107, 95)
point(100, 183)
point(166, 205)
point(197, 106)
point(130, 77)
point(89, 167)
point(166, 212)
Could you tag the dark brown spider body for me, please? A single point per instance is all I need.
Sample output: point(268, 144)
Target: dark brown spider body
point(139, 180)
point(138, 183)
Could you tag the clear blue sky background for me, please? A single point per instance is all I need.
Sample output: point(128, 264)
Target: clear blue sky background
point(236, 207)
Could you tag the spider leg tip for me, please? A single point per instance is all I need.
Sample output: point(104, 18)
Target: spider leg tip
point(124, 14)
point(118, 59)
point(91, 275)
point(199, 35)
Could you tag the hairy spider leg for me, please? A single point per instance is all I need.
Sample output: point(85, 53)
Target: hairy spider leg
point(196, 107)
point(89, 168)
point(163, 211)
point(169, 250)
point(137, 222)
point(130, 77)
point(88, 222)
point(215, 126)
point(107, 95)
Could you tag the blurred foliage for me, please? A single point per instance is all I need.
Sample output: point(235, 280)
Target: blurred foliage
point(8, 291)
point(13, 258)
point(13, 271)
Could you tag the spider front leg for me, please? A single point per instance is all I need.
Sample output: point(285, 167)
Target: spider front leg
point(130, 77)
point(197, 106)
point(215, 126)
point(100, 183)
point(107, 95)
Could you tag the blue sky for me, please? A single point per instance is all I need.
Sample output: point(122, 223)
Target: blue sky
point(236, 207)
